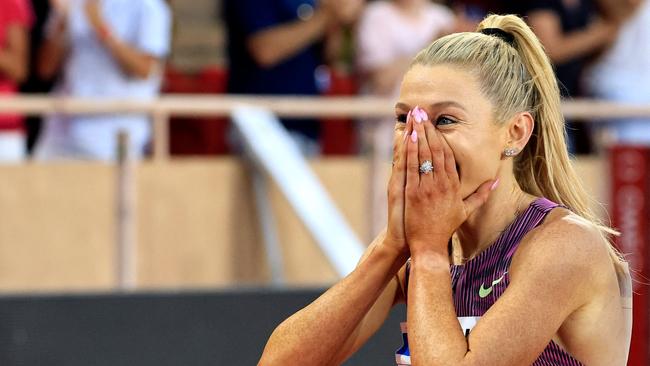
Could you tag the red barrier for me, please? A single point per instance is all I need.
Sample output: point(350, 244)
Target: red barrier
point(630, 197)
point(197, 136)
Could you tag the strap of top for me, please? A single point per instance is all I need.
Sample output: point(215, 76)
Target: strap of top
point(532, 217)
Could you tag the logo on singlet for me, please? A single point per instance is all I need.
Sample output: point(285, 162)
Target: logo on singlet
point(483, 292)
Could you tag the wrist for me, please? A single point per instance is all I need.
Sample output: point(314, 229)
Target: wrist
point(394, 250)
point(104, 33)
point(431, 260)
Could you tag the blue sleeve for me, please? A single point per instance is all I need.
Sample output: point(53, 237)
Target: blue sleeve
point(254, 15)
point(154, 30)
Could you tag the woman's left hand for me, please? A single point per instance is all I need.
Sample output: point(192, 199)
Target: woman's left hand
point(434, 207)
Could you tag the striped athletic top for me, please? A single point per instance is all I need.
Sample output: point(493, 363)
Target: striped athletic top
point(479, 283)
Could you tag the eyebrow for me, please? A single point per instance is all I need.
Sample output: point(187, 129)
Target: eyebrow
point(443, 104)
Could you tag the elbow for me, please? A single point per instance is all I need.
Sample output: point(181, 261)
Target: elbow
point(265, 58)
point(141, 74)
point(45, 69)
point(557, 55)
point(18, 74)
point(264, 54)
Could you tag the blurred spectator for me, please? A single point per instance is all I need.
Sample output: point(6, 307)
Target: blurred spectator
point(622, 73)
point(107, 49)
point(34, 83)
point(475, 10)
point(389, 35)
point(15, 21)
point(571, 34)
point(275, 47)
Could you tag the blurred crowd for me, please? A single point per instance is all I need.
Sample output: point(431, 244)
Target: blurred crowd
point(118, 49)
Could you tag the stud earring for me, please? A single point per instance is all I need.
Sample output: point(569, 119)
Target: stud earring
point(510, 152)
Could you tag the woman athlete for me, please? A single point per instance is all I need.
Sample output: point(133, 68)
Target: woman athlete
point(490, 240)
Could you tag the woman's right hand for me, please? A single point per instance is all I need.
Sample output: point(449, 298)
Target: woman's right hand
point(395, 234)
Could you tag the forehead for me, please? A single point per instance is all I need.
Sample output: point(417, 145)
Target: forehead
point(425, 85)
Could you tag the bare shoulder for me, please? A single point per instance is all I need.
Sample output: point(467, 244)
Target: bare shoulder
point(566, 244)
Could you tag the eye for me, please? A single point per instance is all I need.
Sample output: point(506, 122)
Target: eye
point(401, 118)
point(443, 121)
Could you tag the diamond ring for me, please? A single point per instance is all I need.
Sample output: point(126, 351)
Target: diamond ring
point(426, 167)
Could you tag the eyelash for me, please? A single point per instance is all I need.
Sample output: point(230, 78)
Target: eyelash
point(401, 118)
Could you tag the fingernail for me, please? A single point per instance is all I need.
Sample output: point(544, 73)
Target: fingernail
point(423, 115)
point(414, 136)
point(417, 115)
point(408, 116)
point(494, 185)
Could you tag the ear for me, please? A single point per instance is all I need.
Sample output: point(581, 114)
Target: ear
point(519, 130)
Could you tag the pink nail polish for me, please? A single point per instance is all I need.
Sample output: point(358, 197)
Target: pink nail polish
point(414, 136)
point(494, 185)
point(417, 115)
point(423, 115)
point(408, 116)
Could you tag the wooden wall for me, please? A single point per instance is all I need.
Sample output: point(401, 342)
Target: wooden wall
point(196, 224)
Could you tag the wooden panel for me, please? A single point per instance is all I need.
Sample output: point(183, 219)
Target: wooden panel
point(196, 223)
point(345, 180)
point(185, 223)
point(56, 227)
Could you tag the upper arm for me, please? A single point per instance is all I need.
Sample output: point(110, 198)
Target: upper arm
point(548, 27)
point(551, 276)
point(154, 30)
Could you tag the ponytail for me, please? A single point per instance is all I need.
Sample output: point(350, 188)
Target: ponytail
point(517, 76)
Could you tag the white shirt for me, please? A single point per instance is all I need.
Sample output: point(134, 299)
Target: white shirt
point(386, 34)
point(91, 71)
point(622, 74)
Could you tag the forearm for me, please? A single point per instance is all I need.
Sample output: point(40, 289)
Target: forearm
point(14, 54)
point(435, 337)
point(50, 57)
point(577, 44)
point(13, 66)
point(316, 334)
point(276, 44)
point(132, 61)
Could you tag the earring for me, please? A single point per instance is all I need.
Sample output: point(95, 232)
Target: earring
point(510, 151)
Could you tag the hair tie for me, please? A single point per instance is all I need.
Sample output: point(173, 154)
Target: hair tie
point(500, 33)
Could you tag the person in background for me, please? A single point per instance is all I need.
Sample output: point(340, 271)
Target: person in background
point(34, 84)
point(388, 35)
point(275, 47)
point(106, 49)
point(15, 22)
point(622, 73)
point(571, 33)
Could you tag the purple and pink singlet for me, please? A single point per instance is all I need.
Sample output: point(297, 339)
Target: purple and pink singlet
point(479, 283)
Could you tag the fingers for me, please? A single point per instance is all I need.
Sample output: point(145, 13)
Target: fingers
point(398, 175)
point(450, 162)
point(399, 150)
point(424, 153)
point(478, 198)
point(412, 159)
point(435, 147)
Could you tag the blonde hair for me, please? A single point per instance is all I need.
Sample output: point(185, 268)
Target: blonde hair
point(518, 77)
